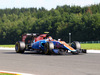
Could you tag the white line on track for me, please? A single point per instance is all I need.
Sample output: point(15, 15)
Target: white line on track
point(5, 48)
point(16, 73)
point(93, 51)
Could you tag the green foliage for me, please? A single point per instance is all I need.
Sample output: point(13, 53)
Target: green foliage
point(82, 22)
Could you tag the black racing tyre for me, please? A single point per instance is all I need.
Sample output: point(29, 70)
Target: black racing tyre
point(84, 51)
point(20, 47)
point(76, 45)
point(48, 47)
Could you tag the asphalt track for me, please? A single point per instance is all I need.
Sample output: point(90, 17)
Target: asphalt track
point(39, 64)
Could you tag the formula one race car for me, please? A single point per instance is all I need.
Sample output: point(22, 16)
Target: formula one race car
point(44, 43)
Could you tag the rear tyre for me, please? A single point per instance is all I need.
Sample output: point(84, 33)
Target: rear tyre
point(20, 47)
point(48, 47)
point(76, 45)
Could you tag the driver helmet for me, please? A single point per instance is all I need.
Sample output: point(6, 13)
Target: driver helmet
point(49, 38)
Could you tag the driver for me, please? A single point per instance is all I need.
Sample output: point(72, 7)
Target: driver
point(49, 38)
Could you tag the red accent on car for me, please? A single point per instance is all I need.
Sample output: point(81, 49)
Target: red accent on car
point(24, 37)
point(41, 37)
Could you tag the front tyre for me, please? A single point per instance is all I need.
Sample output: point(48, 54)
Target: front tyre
point(20, 47)
point(48, 47)
point(76, 45)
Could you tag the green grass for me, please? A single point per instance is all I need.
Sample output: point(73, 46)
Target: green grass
point(88, 46)
point(10, 46)
point(6, 74)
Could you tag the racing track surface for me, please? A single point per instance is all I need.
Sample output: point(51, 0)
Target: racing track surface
point(39, 64)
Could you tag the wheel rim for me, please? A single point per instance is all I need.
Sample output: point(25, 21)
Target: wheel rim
point(46, 48)
point(73, 45)
point(17, 47)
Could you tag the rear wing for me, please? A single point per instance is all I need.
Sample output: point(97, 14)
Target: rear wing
point(31, 35)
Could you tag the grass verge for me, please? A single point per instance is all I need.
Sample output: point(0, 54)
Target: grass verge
point(10, 46)
point(94, 46)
